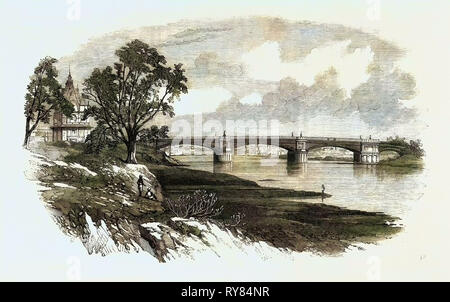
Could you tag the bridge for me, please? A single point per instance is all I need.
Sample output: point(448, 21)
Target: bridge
point(365, 150)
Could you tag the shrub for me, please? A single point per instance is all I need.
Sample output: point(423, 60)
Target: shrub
point(200, 204)
point(149, 135)
point(99, 139)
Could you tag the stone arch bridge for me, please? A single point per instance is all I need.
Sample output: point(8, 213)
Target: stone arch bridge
point(364, 150)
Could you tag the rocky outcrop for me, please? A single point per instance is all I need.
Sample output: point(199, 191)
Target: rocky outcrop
point(159, 238)
point(132, 171)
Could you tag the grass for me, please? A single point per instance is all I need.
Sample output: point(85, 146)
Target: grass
point(406, 163)
point(271, 214)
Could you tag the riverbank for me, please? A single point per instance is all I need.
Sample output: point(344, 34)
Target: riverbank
point(403, 163)
point(277, 216)
point(104, 188)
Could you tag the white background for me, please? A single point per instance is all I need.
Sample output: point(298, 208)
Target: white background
point(32, 247)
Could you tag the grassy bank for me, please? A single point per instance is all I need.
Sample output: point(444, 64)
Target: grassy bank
point(271, 214)
point(403, 163)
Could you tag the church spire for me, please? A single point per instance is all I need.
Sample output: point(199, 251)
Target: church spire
point(69, 82)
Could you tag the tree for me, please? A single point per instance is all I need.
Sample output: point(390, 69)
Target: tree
point(416, 148)
point(44, 95)
point(127, 96)
point(99, 139)
point(150, 135)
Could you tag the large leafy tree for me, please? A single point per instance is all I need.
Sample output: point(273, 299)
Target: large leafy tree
point(152, 134)
point(99, 139)
point(128, 95)
point(44, 96)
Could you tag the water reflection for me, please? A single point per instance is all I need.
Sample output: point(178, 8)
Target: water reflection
point(296, 169)
point(222, 167)
point(354, 186)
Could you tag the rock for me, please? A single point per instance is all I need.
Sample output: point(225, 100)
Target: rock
point(133, 171)
point(168, 241)
point(159, 239)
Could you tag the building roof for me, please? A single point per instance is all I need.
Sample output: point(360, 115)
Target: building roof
point(73, 94)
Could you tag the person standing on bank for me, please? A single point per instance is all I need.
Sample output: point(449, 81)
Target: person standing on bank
point(323, 192)
point(140, 184)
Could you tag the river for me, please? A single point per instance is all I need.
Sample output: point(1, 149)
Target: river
point(353, 186)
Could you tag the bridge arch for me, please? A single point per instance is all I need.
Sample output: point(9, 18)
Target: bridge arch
point(319, 146)
point(205, 150)
point(389, 154)
point(330, 153)
point(238, 149)
point(364, 150)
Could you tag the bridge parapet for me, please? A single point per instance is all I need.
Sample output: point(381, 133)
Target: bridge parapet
point(365, 149)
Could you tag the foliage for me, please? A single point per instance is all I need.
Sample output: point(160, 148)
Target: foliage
point(405, 163)
point(44, 95)
point(416, 148)
point(99, 139)
point(402, 147)
point(235, 220)
point(128, 95)
point(199, 204)
point(150, 135)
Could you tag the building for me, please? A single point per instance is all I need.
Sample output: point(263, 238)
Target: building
point(62, 128)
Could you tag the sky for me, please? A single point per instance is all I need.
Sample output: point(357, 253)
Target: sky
point(75, 23)
point(33, 29)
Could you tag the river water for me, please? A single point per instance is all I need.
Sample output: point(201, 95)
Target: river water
point(352, 186)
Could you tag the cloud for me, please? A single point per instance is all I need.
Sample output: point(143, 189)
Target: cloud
point(201, 100)
point(251, 99)
point(265, 63)
point(290, 101)
point(380, 101)
point(297, 72)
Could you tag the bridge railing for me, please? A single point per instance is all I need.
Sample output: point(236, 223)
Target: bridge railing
point(311, 138)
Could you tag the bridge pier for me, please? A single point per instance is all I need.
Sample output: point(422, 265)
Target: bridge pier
point(298, 156)
point(369, 154)
point(365, 150)
point(371, 158)
point(223, 152)
point(223, 157)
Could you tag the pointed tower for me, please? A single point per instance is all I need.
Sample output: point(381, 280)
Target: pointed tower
point(71, 93)
point(69, 82)
point(73, 128)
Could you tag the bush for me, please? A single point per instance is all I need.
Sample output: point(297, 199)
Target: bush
point(149, 135)
point(200, 204)
point(99, 139)
point(402, 147)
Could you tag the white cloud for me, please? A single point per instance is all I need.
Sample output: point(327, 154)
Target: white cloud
point(264, 63)
point(254, 98)
point(201, 100)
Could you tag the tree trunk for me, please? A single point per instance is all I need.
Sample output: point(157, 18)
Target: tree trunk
point(27, 133)
point(131, 150)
